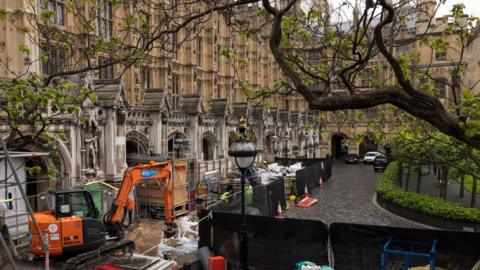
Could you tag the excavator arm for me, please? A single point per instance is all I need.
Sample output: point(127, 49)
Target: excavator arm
point(133, 176)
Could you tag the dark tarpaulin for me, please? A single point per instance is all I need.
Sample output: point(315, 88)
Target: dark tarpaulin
point(356, 247)
point(272, 243)
point(309, 176)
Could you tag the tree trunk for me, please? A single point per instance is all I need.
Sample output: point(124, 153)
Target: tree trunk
point(400, 175)
point(408, 177)
point(474, 192)
point(419, 179)
point(462, 186)
point(445, 182)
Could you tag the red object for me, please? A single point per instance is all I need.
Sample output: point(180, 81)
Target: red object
point(217, 263)
point(107, 266)
point(307, 202)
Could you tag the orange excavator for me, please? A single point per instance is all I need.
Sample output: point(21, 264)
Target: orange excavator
point(74, 225)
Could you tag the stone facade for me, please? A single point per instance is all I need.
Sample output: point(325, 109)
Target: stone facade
point(193, 94)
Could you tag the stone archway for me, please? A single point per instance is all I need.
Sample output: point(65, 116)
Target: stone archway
point(338, 148)
point(54, 172)
point(136, 143)
point(172, 148)
point(208, 146)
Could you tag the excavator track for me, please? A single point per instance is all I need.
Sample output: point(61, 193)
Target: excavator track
point(98, 256)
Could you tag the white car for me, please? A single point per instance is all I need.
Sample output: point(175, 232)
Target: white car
point(370, 156)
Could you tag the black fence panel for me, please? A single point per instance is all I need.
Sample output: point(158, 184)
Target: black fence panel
point(264, 202)
point(324, 164)
point(272, 243)
point(357, 247)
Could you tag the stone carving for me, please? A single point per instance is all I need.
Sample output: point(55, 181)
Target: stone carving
point(91, 145)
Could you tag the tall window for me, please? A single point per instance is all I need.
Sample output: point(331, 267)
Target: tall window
point(199, 86)
point(53, 61)
point(314, 58)
point(57, 7)
point(441, 86)
point(105, 73)
point(367, 77)
point(105, 19)
point(146, 78)
point(145, 28)
point(440, 55)
point(175, 45)
point(175, 92)
point(199, 51)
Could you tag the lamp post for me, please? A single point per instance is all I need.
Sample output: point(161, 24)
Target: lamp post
point(314, 143)
point(286, 144)
point(244, 153)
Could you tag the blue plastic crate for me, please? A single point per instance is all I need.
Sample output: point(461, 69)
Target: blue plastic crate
point(401, 255)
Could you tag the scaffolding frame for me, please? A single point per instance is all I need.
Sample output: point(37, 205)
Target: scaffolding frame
point(8, 156)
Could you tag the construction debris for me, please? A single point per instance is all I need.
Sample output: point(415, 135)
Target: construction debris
point(184, 242)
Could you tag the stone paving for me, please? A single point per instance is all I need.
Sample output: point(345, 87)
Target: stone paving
point(347, 197)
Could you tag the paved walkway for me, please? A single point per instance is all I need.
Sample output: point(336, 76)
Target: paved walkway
point(431, 186)
point(347, 197)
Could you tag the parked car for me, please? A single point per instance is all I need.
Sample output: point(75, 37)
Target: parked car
point(380, 163)
point(370, 156)
point(351, 159)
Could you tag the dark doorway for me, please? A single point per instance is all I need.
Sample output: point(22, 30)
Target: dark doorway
point(339, 149)
point(133, 148)
point(36, 181)
point(268, 144)
point(207, 149)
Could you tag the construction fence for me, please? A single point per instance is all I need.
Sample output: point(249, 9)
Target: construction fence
point(280, 243)
point(266, 198)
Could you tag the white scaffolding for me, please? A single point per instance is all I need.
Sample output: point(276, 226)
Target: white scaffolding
point(18, 185)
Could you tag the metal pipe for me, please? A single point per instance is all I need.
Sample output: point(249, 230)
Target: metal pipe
point(9, 255)
point(25, 155)
point(22, 191)
point(243, 228)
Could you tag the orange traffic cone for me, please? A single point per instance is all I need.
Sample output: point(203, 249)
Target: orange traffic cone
point(279, 211)
point(305, 192)
point(320, 182)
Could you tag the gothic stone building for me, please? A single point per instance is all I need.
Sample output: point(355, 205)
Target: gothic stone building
point(190, 95)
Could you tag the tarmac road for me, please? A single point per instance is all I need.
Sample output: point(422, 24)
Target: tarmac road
point(348, 197)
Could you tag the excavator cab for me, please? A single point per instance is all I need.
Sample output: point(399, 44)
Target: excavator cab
point(72, 224)
point(77, 202)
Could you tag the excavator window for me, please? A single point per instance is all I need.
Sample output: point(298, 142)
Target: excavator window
point(78, 203)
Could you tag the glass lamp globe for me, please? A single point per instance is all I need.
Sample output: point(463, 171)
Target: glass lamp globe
point(244, 154)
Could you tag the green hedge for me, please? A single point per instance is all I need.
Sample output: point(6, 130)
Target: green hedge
point(388, 189)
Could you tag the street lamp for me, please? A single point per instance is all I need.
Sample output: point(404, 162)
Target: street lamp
point(286, 144)
point(314, 143)
point(244, 153)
